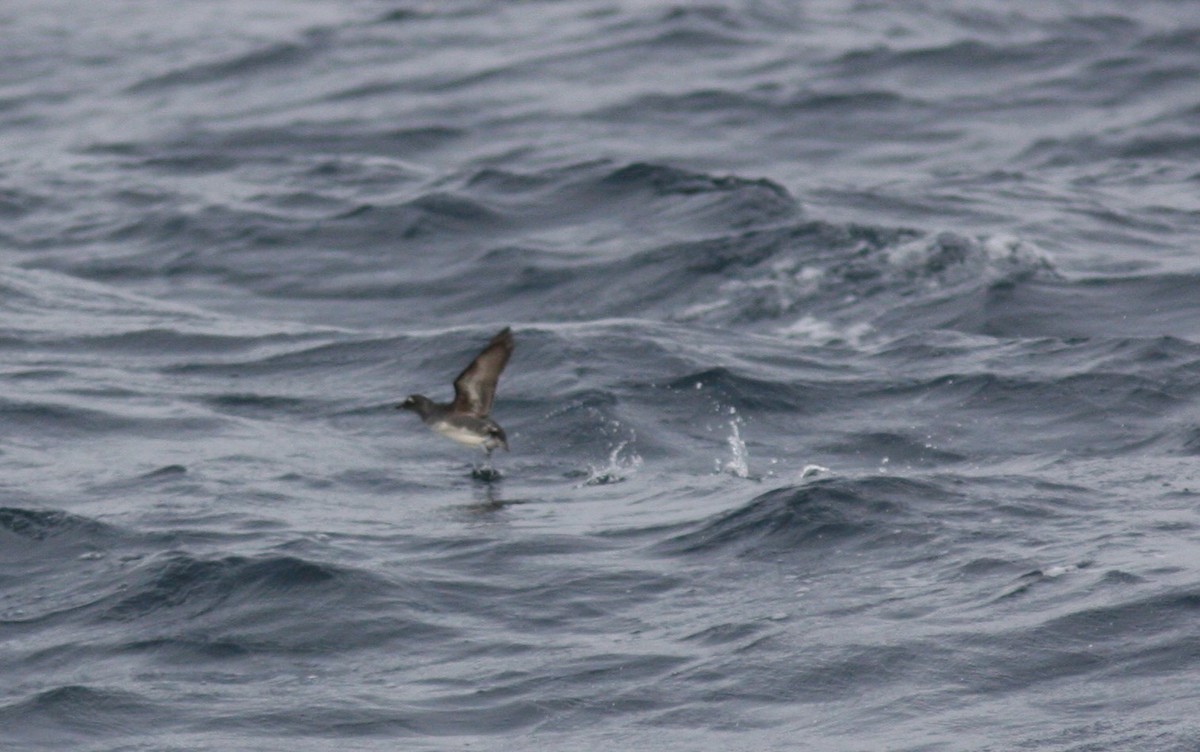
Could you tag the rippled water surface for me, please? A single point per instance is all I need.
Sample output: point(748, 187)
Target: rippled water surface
point(855, 404)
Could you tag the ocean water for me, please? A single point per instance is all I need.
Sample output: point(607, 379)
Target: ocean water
point(855, 404)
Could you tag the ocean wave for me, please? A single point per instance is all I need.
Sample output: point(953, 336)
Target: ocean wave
point(53, 526)
point(239, 67)
point(235, 604)
point(57, 418)
point(843, 514)
point(741, 391)
point(76, 713)
point(677, 200)
point(337, 154)
point(1133, 636)
point(721, 250)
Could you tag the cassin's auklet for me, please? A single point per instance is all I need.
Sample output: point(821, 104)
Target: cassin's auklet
point(466, 418)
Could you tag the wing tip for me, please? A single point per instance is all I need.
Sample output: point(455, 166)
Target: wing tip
point(504, 337)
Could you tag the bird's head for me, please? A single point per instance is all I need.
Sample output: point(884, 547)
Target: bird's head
point(497, 438)
point(416, 403)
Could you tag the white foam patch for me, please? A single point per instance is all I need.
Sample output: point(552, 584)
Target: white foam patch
point(818, 331)
point(700, 310)
point(949, 257)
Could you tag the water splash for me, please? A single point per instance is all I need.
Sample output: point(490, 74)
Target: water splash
point(486, 473)
point(811, 471)
point(739, 461)
point(620, 466)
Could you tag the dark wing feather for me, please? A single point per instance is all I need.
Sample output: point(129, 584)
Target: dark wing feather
point(475, 387)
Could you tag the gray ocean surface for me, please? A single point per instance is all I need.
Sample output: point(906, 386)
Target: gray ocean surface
point(855, 404)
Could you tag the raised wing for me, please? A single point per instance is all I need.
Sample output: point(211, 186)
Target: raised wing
point(475, 387)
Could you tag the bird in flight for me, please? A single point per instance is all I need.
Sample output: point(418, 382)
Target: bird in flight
point(466, 420)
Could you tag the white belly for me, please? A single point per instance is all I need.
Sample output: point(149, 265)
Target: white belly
point(462, 436)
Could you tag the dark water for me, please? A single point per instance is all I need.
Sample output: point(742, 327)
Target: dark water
point(855, 406)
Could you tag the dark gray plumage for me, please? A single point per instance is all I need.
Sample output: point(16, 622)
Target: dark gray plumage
point(466, 420)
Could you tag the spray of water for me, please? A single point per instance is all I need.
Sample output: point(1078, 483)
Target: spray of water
point(739, 460)
point(620, 465)
point(738, 464)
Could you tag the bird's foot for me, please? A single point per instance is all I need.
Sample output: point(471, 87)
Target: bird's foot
point(485, 472)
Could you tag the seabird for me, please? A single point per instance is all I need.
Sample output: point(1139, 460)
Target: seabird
point(466, 418)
